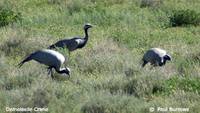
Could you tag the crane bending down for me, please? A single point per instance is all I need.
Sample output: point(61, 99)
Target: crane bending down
point(73, 43)
point(156, 56)
point(51, 58)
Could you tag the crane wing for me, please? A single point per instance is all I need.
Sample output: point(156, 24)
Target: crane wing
point(70, 44)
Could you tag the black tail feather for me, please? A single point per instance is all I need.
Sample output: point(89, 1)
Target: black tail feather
point(26, 60)
point(144, 63)
point(51, 47)
point(21, 63)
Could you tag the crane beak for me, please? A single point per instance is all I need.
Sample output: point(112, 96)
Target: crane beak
point(68, 71)
point(69, 74)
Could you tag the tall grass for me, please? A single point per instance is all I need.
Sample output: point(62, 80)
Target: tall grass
point(106, 74)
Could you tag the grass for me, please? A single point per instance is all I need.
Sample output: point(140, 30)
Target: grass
point(185, 17)
point(8, 16)
point(106, 74)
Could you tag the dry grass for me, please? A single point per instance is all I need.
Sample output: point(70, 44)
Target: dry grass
point(106, 74)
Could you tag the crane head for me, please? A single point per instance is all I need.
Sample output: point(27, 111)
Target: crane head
point(88, 25)
point(67, 71)
point(168, 57)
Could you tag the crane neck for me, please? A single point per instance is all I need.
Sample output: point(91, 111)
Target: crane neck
point(86, 33)
point(162, 63)
point(62, 70)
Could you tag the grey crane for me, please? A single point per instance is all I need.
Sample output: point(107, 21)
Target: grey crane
point(73, 43)
point(51, 58)
point(156, 56)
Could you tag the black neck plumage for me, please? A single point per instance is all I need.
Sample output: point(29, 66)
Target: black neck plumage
point(163, 63)
point(62, 70)
point(85, 39)
point(86, 34)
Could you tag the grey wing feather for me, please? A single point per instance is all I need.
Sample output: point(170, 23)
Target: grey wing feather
point(28, 58)
point(60, 43)
point(70, 44)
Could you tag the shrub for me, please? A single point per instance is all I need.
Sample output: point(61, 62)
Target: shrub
point(150, 3)
point(9, 46)
point(15, 46)
point(130, 87)
point(93, 107)
point(130, 72)
point(184, 17)
point(143, 87)
point(54, 2)
point(40, 98)
point(186, 65)
point(16, 82)
point(194, 57)
point(7, 16)
point(183, 83)
point(75, 6)
point(108, 2)
point(137, 86)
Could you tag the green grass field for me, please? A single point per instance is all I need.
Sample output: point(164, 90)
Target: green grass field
point(106, 76)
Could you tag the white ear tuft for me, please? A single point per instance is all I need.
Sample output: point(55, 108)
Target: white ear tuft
point(162, 60)
point(78, 41)
point(68, 69)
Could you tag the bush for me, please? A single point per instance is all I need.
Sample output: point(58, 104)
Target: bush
point(54, 2)
point(150, 3)
point(94, 107)
point(40, 98)
point(183, 83)
point(75, 6)
point(194, 57)
point(16, 82)
point(15, 46)
point(184, 17)
point(7, 16)
point(144, 87)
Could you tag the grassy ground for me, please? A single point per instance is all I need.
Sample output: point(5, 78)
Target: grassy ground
point(106, 75)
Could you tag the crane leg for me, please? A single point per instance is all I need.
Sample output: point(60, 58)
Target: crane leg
point(50, 72)
point(144, 63)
